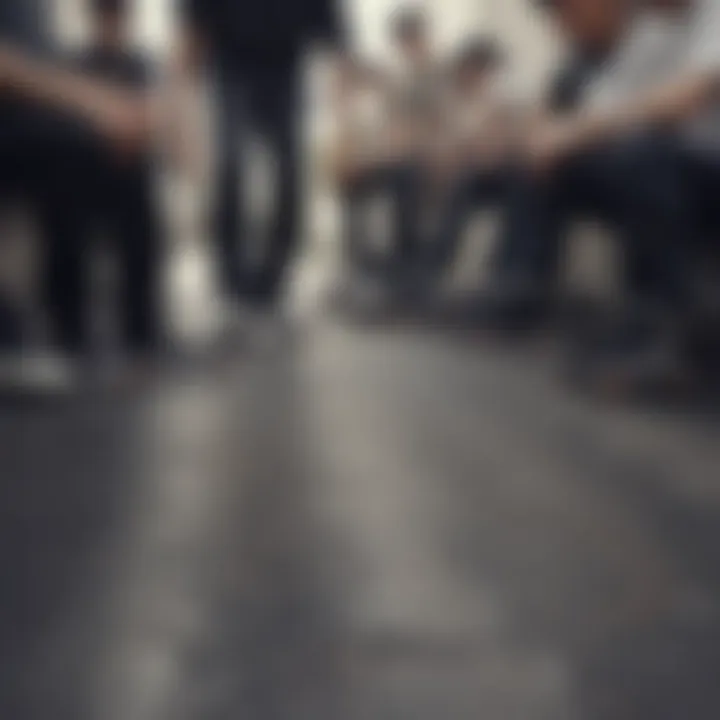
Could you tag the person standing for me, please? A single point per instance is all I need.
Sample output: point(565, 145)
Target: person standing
point(253, 50)
point(118, 197)
point(45, 109)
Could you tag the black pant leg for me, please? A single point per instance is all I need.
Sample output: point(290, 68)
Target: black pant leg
point(228, 221)
point(274, 112)
point(474, 190)
point(71, 193)
point(405, 183)
point(639, 184)
point(535, 212)
point(138, 233)
point(401, 184)
point(65, 231)
point(356, 198)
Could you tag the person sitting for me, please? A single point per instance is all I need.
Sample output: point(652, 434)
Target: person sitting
point(497, 173)
point(633, 153)
point(418, 89)
point(539, 205)
point(369, 158)
point(469, 158)
point(42, 105)
point(118, 198)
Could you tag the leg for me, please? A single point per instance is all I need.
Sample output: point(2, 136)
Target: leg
point(640, 186)
point(470, 192)
point(532, 229)
point(274, 111)
point(65, 275)
point(67, 208)
point(228, 223)
point(355, 198)
point(402, 184)
point(405, 185)
point(139, 236)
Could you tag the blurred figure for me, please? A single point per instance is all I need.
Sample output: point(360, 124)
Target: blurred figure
point(419, 85)
point(45, 108)
point(650, 117)
point(370, 157)
point(472, 153)
point(538, 207)
point(118, 200)
point(254, 51)
point(390, 156)
point(537, 213)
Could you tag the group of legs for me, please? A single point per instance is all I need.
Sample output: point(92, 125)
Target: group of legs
point(262, 102)
point(651, 190)
point(78, 190)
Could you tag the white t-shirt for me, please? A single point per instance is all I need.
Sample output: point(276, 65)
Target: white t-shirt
point(701, 53)
point(661, 49)
point(644, 59)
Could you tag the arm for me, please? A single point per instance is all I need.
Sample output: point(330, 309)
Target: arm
point(118, 113)
point(671, 103)
point(179, 94)
point(667, 105)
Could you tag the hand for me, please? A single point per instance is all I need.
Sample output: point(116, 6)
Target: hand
point(125, 121)
point(548, 144)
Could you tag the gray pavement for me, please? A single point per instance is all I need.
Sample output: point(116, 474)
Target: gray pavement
point(358, 523)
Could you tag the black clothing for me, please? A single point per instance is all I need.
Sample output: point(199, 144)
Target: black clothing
point(22, 23)
point(254, 49)
point(402, 184)
point(266, 104)
point(243, 32)
point(113, 196)
point(566, 90)
point(22, 26)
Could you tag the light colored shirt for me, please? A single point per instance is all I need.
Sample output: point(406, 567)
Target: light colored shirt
point(701, 53)
point(664, 48)
point(644, 59)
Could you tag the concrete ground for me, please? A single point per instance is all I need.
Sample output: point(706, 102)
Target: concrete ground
point(357, 523)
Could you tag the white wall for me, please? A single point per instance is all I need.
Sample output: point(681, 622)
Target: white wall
point(515, 22)
point(152, 21)
point(453, 19)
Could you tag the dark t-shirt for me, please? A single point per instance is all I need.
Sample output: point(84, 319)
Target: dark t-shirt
point(23, 24)
point(128, 67)
point(243, 32)
point(567, 89)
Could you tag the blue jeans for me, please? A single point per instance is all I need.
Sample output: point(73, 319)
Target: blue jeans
point(635, 186)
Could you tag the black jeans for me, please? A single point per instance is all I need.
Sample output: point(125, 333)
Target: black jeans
point(475, 190)
point(701, 172)
point(116, 197)
point(28, 138)
point(262, 99)
point(636, 186)
point(401, 185)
